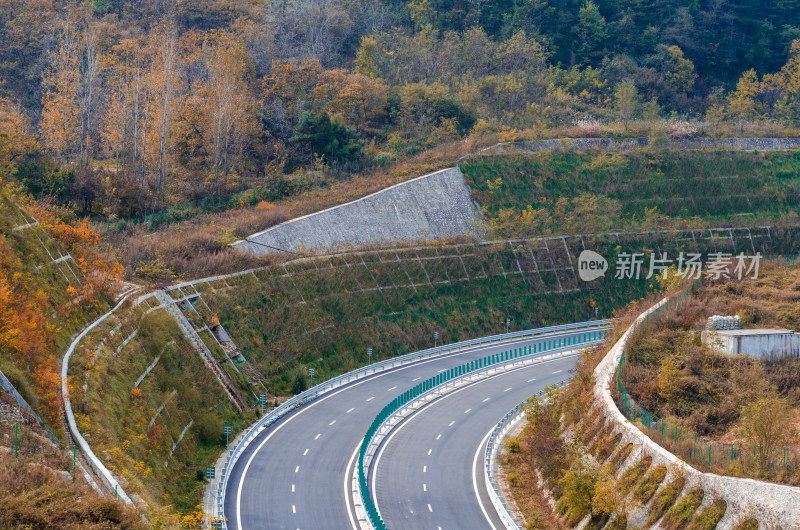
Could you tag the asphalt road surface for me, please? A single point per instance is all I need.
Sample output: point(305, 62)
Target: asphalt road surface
point(429, 473)
point(294, 475)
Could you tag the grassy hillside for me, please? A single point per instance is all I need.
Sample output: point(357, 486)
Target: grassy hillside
point(150, 408)
point(51, 286)
point(38, 489)
point(324, 313)
point(49, 289)
point(571, 192)
point(719, 399)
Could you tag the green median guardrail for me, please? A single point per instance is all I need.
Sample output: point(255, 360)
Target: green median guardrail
point(458, 372)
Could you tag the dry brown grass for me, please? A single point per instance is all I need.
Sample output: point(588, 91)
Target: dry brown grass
point(33, 496)
point(528, 493)
point(200, 246)
point(37, 488)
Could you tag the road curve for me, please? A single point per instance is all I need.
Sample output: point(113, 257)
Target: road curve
point(293, 474)
point(428, 473)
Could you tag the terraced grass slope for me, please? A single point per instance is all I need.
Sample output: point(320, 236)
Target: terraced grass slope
point(324, 313)
point(45, 297)
point(149, 407)
point(569, 192)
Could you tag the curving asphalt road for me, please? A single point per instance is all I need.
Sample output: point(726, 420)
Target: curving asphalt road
point(294, 475)
point(428, 473)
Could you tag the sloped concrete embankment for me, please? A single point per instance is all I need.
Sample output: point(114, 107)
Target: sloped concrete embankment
point(434, 206)
point(773, 505)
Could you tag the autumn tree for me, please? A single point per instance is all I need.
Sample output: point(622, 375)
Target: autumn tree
point(788, 79)
point(365, 62)
point(626, 100)
point(767, 424)
point(162, 84)
point(579, 486)
point(229, 106)
point(742, 101)
point(16, 135)
point(288, 91)
point(61, 117)
point(359, 100)
point(678, 71)
point(307, 29)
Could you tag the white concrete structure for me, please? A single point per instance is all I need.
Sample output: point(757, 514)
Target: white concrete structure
point(753, 342)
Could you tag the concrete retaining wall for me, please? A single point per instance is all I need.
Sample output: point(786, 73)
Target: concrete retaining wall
point(430, 207)
point(774, 505)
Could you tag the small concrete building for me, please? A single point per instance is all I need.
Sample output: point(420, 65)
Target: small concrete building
point(753, 342)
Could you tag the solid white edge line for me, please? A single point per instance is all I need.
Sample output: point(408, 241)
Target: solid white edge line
point(347, 492)
point(481, 445)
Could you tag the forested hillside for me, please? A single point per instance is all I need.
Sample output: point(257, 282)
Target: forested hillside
point(123, 108)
